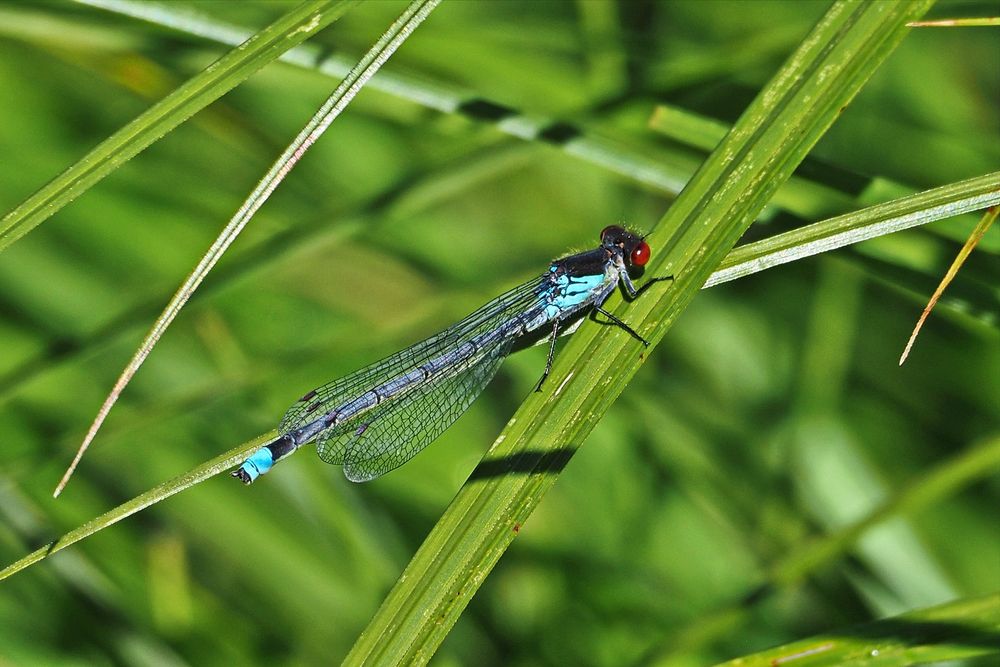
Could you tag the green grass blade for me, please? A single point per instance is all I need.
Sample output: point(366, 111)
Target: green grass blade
point(668, 175)
point(958, 630)
point(221, 463)
point(982, 22)
point(295, 26)
point(716, 207)
point(371, 62)
point(664, 170)
point(944, 202)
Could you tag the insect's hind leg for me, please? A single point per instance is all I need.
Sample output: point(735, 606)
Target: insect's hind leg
point(552, 352)
point(619, 323)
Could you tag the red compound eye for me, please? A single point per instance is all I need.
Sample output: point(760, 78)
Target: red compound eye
point(640, 255)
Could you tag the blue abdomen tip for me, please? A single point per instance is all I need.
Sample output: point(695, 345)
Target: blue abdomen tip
point(258, 464)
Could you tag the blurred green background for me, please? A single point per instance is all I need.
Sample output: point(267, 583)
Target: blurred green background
point(772, 415)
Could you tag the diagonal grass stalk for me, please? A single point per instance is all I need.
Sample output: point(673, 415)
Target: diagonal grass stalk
point(397, 33)
point(774, 134)
point(947, 201)
point(213, 82)
point(977, 234)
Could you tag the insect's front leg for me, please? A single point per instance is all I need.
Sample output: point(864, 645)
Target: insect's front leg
point(631, 289)
point(627, 283)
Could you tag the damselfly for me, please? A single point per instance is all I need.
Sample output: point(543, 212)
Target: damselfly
point(377, 418)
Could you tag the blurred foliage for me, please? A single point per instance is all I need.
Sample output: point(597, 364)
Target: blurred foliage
point(772, 417)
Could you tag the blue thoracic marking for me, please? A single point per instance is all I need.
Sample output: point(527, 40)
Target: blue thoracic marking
point(258, 464)
point(574, 291)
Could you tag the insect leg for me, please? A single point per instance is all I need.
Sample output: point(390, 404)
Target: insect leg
point(624, 326)
point(634, 292)
point(552, 352)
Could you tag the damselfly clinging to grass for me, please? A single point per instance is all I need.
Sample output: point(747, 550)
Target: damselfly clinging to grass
point(377, 418)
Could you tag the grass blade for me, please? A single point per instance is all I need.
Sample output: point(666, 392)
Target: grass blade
point(904, 213)
point(984, 224)
point(668, 176)
point(954, 631)
point(979, 461)
point(393, 38)
point(201, 90)
point(219, 464)
point(719, 203)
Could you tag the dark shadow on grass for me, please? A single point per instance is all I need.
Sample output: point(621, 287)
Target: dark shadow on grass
point(532, 461)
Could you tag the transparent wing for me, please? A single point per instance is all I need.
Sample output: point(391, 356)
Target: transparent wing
point(518, 302)
point(398, 430)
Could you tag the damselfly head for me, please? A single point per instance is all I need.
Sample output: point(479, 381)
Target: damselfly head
point(634, 248)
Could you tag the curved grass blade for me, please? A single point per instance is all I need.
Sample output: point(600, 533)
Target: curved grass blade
point(716, 207)
point(981, 460)
point(955, 631)
point(397, 33)
point(221, 463)
point(198, 92)
point(946, 201)
point(984, 224)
